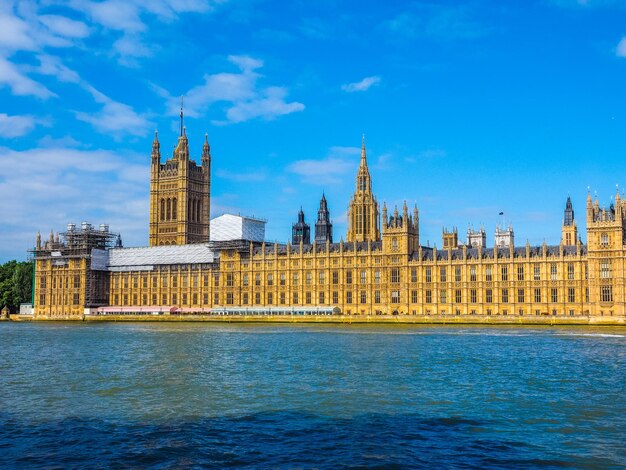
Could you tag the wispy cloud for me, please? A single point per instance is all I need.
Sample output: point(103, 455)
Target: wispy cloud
point(362, 85)
point(433, 153)
point(114, 117)
point(69, 184)
point(621, 48)
point(19, 83)
point(241, 177)
point(588, 3)
point(24, 29)
point(130, 18)
point(428, 154)
point(332, 169)
point(436, 21)
point(241, 92)
point(15, 126)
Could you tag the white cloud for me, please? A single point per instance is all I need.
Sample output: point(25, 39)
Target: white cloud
point(15, 126)
point(52, 142)
point(14, 33)
point(621, 48)
point(246, 63)
point(330, 170)
point(341, 150)
point(363, 85)
point(46, 188)
point(127, 16)
point(246, 100)
point(433, 153)
point(131, 47)
point(589, 3)
point(118, 15)
point(19, 83)
point(115, 118)
point(437, 21)
point(314, 168)
point(241, 177)
point(64, 26)
point(26, 30)
point(269, 106)
point(337, 167)
point(51, 65)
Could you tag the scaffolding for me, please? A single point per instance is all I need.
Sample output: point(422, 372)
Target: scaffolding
point(78, 243)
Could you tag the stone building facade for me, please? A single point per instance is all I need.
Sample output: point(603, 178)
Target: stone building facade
point(381, 268)
point(179, 195)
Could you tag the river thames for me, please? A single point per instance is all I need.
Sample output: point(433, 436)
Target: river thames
point(79, 395)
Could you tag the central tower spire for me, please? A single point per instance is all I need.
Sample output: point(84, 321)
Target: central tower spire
point(363, 215)
point(181, 116)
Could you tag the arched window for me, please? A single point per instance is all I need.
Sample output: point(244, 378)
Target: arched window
point(169, 209)
point(189, 209)
point(162, 209)
point(174, 214)
point(199, 210)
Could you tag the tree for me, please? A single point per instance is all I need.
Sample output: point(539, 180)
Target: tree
point(15, 284)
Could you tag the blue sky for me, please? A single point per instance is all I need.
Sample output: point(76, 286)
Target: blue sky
point(469, 108)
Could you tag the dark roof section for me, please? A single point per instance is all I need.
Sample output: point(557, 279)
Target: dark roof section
point(427, 252)
point(503, 253)
point(320, 248)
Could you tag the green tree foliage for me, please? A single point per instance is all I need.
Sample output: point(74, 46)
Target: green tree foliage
point(15, 284)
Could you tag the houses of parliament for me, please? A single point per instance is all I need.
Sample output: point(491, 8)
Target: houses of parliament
point(198, 267)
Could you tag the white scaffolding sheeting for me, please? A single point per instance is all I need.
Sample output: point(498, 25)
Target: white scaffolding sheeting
point(230, 227)
point(145, 258)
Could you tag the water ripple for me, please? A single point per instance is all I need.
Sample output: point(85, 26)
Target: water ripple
point(250, 396)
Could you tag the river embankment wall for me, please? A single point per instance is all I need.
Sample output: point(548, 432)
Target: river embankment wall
point(510, 320)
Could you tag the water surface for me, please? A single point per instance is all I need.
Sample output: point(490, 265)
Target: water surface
point(192, 395)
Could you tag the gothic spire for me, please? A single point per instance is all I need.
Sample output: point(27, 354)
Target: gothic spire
point(323, 226)
point(568, 214)
point(363, 153)
point(206, 148)
point(363, 175)
point(181, 152)
point(156, 148)
point(181, 116)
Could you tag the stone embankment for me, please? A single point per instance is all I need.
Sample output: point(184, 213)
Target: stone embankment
point(350, 319)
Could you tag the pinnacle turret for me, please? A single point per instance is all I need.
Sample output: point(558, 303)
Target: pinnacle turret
point(206, 149)
point(323, 226)
point(156, 148)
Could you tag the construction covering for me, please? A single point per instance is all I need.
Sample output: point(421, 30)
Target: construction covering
point(230, 227)
point(146, 258)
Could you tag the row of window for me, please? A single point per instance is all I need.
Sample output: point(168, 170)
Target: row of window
point(185, 281)
point(362, 297)
point(395, 276)
point(59, 299)
point(504, 296)
point(169, 209)
point(489, 274)
point(60, 282)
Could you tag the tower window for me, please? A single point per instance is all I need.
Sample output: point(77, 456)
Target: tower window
point(174, 210)
point(604, 239)
point(362, 184)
